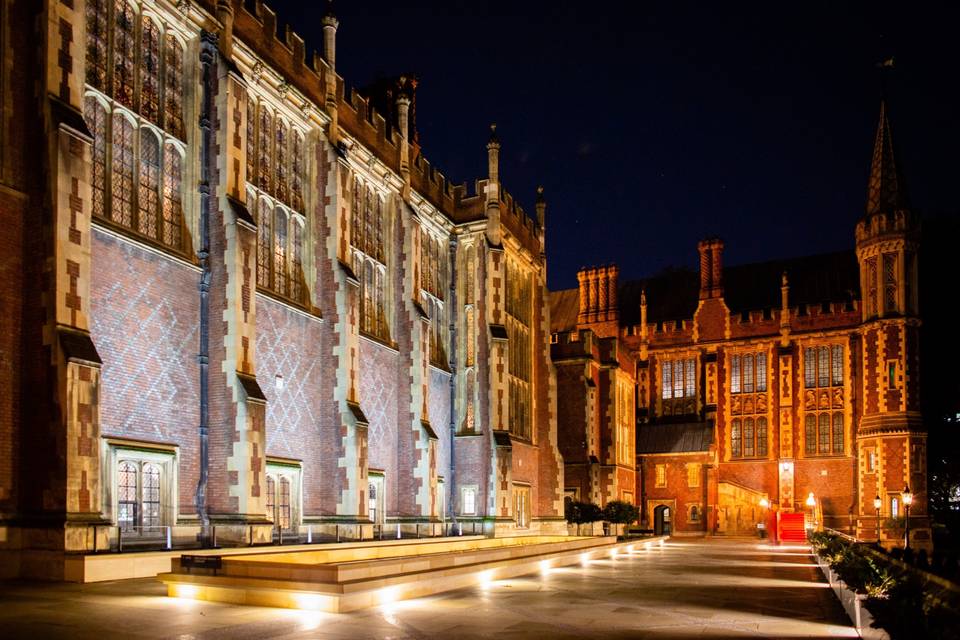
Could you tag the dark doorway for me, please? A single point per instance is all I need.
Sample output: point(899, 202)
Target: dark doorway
point(661, 520)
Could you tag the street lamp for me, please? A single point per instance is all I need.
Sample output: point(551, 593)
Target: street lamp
point(876, 505)
point(812, 503)
point(907, 501)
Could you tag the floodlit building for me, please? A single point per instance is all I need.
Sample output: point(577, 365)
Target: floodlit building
point(237, 296)
point(756, 386)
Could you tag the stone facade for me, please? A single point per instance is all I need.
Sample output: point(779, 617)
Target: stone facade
point(362, 324)
point(759, 386)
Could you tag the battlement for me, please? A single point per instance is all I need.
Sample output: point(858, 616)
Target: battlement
point(356, 114)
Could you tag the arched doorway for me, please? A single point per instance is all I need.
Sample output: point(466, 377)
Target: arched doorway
point(661, 520)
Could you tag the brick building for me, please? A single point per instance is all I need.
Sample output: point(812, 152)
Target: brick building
point(755, 385)
point(238, 295)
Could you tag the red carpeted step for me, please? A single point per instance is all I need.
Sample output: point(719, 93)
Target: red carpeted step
point(792, 527)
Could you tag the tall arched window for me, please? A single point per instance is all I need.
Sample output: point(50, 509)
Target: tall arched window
point(736, 439)
point(275, 179)
point(810, 434)
point(122, 177)
point(173, 87)
point(283, 510)
point(271, 499)
point(96, 117)
point(124, 52)
point(838, 433)
point(97, 38)
point(748, 435)
point(172, 196)
point(281, 160)
point(761, 436)
point(824, 433)
point(280, 274)
point(151, 495)
point(127, 503)
point(149, 194)
point(368, 258)
point(150, 70)
point(264, 243)
point(133, 69)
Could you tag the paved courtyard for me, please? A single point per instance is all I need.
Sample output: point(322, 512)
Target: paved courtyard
point(685, 589)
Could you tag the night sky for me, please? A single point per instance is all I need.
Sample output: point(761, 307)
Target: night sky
point(654, 124)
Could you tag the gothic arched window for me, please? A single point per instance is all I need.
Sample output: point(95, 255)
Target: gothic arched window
point(96, 117)
point(736, 439)
point(150, 70)
point(296, 153)
point(97, 38)
point(824, 433)
point(173, 87)
point(280, 162)
point(281, 279)
point(124, 52)
point(810, 434)
point(122, 175)
point(761, 436)
point(296, 260)
point(838, 433)
point(172, 196)
point(264, 243)
point(263, 150)
point(148, 199)
point(368, 259)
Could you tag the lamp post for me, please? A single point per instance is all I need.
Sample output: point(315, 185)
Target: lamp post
point(907, 501)
point(812, 503)
point(876, 506)
point(764, 504)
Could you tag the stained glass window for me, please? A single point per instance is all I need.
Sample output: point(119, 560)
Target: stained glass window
point(281, 281)
point(837, 364)
point(810, 434)
point(823, 367)
point(824, 433)
point(838, 433)
point(172, 197)
point(149, 70)
point(97, 56)
point(748, 374)
point(96, 117)
point(281, 160)
point(173, 87)
point(735, 374)
point(148, 200)
point(296, 195)
point(748, 442)
point(736, 439)
point(264, 243)
point(122, 178)
point(761, 372)
point(810, 367)
point(296, 264)
point(761, 436)
point(124, 51)
point(263, 150)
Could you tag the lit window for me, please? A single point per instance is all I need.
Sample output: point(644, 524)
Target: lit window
point(661, 480)
point(522, 506)
point(894, 507)
point(469, 501)
point(693, 475)
point(519, 302)
point(368, 260)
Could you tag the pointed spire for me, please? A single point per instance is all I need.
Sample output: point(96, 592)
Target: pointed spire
point(886, 191)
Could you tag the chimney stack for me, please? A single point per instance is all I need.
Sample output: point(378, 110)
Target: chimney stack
point(598, 294)
point(493, 187)
point(711, 268)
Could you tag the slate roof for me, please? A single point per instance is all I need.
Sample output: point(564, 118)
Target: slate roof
point(675, 437)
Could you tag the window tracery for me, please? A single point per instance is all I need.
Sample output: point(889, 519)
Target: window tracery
point(519, 362)
point(678, 386)
point(823, 427)
point(748, 405)
point(368, 258)
point(275, 179)
point(134, 67)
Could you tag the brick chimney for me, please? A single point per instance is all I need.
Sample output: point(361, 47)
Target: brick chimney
point(598, 294)
point(711, 268)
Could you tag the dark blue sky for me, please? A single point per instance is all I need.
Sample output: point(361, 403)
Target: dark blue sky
point(654, 124)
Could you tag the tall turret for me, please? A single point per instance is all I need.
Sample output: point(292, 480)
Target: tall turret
point(890, 437)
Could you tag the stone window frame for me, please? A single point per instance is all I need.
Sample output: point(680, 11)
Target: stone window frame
point(688, 401)
point(749, 431)
point(660, 476)
point(371, 262)
point(434, 281)
point(464, 490)
point(694, 471)
point(172, 152)
point(279, 470)
point(167, 457)
point(824, 430)
point(518, 313)
point(293, 287)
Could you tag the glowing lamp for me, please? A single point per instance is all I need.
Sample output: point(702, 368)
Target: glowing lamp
point(877, 503)
point(907, 496)
point(764, 503)
point(811, 501)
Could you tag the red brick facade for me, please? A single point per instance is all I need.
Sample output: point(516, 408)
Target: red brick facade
point(760, 386)
point(101, 329)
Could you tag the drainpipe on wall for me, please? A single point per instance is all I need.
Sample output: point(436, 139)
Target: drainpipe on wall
point(451, 502)
point(208, 48)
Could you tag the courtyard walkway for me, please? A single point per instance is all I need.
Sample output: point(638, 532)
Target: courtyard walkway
point(684, 589)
